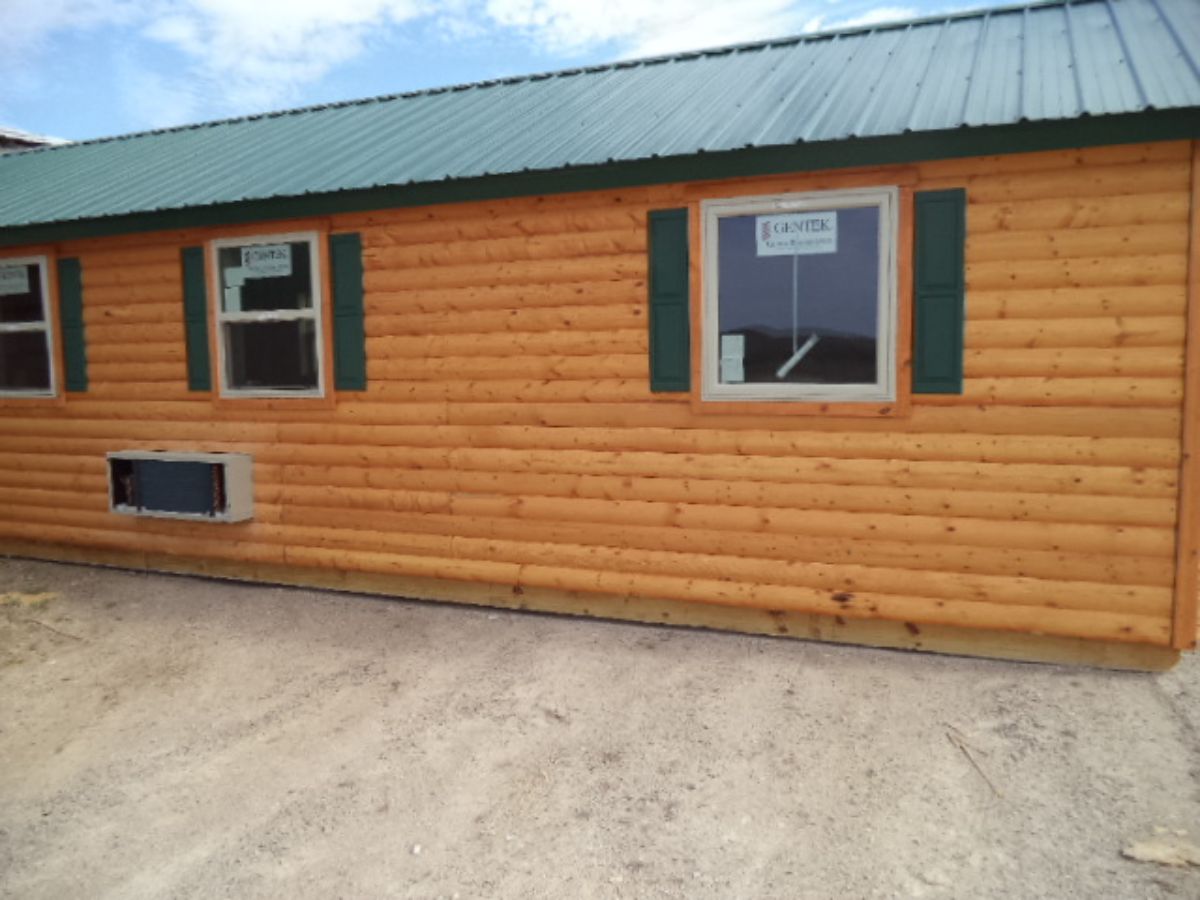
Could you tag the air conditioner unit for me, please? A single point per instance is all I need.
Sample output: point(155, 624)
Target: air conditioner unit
point(206, 487)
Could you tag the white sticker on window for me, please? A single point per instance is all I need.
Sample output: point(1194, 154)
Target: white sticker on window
point(235, 276)
point(796, 234)
point(733, 358)
point(14, 280)
point(267, 261)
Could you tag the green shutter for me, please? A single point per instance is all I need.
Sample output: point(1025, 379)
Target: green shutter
point(195, 319)
point(670, 321)
point(939, 291)
point(70, 321)
point(349, 335)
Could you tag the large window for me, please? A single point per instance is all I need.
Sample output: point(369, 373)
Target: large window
point(800, 297)
point(269, 316)
point(26, 360)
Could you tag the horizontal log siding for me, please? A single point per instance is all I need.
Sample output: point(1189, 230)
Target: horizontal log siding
point(508, 434)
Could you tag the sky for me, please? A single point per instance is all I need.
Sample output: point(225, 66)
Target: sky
point(80, 69)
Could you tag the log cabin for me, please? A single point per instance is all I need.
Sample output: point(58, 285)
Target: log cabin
point(887, 335)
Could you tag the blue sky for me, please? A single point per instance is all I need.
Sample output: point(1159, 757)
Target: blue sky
point(88, 68)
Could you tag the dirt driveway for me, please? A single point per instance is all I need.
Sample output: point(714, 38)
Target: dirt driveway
point(175, 737)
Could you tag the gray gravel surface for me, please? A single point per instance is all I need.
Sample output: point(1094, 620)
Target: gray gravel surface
point(177, 737)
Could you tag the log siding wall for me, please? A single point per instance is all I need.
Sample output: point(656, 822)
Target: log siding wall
point(508, 434)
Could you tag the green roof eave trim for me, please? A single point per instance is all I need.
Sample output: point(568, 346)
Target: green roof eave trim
point(1028, 137)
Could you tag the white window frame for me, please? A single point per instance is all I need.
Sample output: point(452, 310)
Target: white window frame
point(46, 326)
point(887, 199)
point(315, 312)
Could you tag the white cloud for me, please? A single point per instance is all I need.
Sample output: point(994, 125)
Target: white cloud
point(24, 24)
point(251, 54)
point(876, 16)
point(873, 16)
point(25, 29)
point(154, 99)
point(241, 56)
point(257, 54)
point(639, 28)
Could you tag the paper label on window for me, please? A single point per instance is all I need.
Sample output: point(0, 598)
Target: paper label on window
point(796, 234)
point(733, 356)
point(267, 261)
point(235, 276)
point(14, 280)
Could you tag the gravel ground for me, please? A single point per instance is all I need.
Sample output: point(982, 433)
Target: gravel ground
point(175, 737)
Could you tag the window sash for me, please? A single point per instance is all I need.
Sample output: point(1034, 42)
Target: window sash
point(886, 199)
point(313, 312)
point(290, 315)
point(44, 325)
point(276, 356)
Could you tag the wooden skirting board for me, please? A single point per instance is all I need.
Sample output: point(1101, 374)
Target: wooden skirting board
point(805, 626)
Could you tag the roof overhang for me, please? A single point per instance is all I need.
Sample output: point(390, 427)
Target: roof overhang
point(1026, 137)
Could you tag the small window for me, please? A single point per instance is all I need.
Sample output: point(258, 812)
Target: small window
point(26, 359)
point(269, 316)
point(800, 297)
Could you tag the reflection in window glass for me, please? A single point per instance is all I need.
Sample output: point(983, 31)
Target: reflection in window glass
point(808, 317)
point(26, 367)
point(21, 293)
point(269, 316)
point(800, 297)
point(275, 355)
point(264, 277)
point(24, 361)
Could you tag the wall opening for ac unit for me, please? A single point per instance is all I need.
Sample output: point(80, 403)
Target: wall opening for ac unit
point(211, 487)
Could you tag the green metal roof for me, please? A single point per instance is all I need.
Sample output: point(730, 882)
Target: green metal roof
point(1072, 61)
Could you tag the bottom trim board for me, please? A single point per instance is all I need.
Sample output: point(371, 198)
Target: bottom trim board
point(777, 623)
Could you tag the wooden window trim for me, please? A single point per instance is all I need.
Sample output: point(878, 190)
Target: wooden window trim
point(56, 396)
point(267, 400)
point(901, 404)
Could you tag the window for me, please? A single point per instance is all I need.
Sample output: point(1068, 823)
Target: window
point(800, 297)
point(269, 316)
point(26, 359)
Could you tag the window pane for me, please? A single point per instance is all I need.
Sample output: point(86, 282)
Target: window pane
point(20, 293)
point(24, 361)
point(798, 297)
point(264, 277)
point(272, 355)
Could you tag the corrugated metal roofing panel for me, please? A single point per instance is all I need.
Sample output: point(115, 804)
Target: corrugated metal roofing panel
point(1103, 88)
point(851, 107)
point(1049, 75)
point(1056, 61)
point(941, 100)
point(1155, 58)
point(995, 93)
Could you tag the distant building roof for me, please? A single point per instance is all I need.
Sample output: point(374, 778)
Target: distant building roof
point(15, 139)
point(1062, 61)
